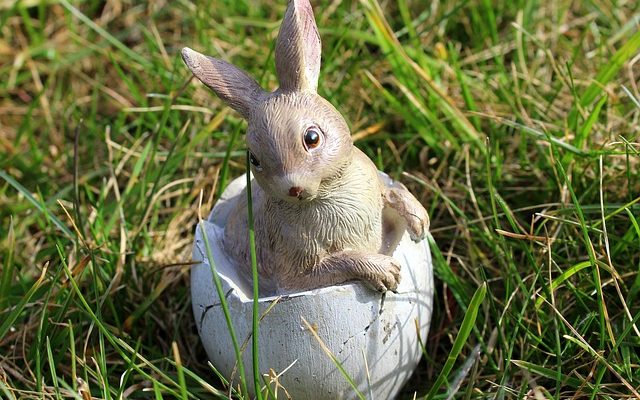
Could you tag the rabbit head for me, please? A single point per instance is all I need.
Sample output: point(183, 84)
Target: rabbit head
point(298, 142)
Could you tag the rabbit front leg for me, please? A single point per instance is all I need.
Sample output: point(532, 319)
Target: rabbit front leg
point(409, 208)
point(380, 271)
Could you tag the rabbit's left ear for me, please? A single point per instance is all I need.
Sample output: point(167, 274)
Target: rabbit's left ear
point(230, 83)
point(298, 49)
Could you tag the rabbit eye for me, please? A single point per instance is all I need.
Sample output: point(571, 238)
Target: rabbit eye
point(312, 138)
point(254, 161)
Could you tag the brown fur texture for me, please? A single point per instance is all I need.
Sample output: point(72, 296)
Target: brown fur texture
point(322, 213)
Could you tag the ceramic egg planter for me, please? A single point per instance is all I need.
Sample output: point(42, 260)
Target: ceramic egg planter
point(374, 338)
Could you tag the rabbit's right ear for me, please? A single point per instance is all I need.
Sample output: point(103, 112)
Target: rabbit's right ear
point(230, 83)
point(298, 48)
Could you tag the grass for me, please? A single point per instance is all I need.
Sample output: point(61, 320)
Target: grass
point(515, 123)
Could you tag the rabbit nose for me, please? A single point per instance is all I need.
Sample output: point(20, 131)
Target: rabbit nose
point(295, 191)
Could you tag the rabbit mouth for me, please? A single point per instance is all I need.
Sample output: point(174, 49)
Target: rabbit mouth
point(292, 188)
point(297, 195)
point(295, 202)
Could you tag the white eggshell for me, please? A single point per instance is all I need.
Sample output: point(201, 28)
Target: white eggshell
point(375, 341)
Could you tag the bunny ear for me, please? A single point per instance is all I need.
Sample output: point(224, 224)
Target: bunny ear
point(298, 48)
point(230, 83)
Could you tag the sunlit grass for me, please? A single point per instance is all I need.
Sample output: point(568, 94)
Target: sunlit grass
point(515, 123)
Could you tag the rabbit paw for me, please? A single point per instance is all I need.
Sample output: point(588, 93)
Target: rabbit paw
point(410, 209)
point(418, 226)
point(380, 271)
point(385, 275)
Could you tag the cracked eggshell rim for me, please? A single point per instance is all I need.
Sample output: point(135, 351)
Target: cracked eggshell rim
point(363, 330)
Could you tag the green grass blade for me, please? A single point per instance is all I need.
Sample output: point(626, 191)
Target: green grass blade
point(225, 309)
point(36, 203)
point(204, 384)
point(626, 52)
point(414, 73)
point(8, 269)
point(635, 287)
point(128, 371)
point(254, 274)
point(468, 323)
point(178, 364)
point(108, 37)
point(119, 345)
point(19, 307)
point(584, 132)
point(72, 355)
point(52, 369)
point(156, 391)
point(551, 374)
point(568, 273)
point(588, 125)
point(446, 274)
point(604, 326)
point(8, 394)
point(542, 135)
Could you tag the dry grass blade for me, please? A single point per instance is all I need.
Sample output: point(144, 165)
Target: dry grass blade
point(541, 239)
point(585, 345)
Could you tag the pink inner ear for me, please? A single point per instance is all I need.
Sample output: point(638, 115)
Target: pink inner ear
point(298, 49)
point(312, 44)
point(230, 83)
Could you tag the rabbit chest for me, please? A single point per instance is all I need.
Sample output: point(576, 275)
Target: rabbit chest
point(302, 235)
point(293, 238)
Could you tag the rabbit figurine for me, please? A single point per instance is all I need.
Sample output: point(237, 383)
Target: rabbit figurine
point(323, 214)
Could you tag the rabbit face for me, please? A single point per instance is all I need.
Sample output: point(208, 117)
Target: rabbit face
point(297, 141)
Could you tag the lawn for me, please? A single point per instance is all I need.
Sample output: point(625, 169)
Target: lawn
point(516, 124)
